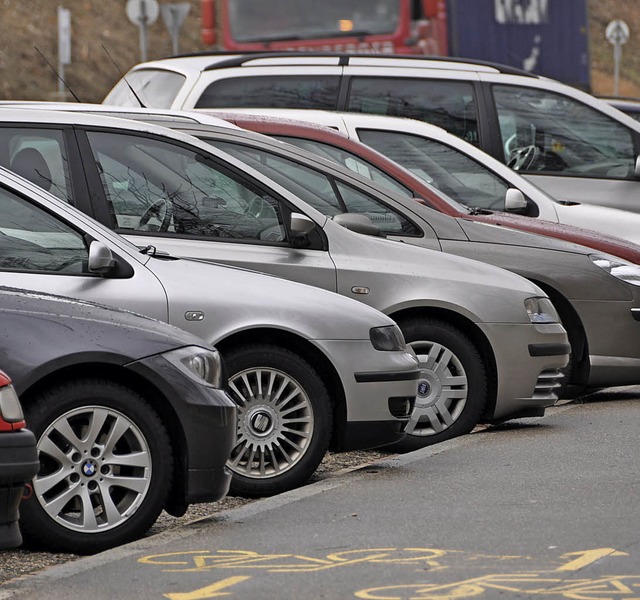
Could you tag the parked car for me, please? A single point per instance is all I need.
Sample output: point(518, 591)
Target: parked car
point(309, 369)
point(324, 132)
point(579, 280)
point(18, 460)
point(485, 187)
point(571, 144)
point(494, 336)
point(629, 106)
point(129, 414)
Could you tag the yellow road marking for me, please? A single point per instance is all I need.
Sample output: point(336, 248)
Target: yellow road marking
point(211, 591)
point(587, 557)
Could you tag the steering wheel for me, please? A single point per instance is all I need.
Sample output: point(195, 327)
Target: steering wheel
point(523, 158)
point(259, 208)
point(156, 210)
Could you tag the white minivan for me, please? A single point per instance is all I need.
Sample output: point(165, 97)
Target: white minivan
point(573, 145)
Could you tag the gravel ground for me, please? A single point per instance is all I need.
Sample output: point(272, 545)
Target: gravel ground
point(14, 563)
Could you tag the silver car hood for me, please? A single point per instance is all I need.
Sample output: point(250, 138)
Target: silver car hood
point(233, 299)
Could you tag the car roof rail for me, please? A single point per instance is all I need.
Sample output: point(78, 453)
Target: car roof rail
point(238, 59)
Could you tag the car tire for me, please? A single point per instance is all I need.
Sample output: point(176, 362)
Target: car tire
point(285, 419)
point(93, 434)
point(452, 388)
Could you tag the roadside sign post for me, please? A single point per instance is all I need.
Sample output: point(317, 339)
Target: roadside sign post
point(617, 34)
point(143, 13)
point(64, 45)
point(174, 16)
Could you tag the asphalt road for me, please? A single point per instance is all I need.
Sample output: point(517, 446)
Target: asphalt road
point(535, 508)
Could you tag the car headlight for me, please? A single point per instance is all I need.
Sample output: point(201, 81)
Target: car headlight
point(620, 269)
point(201, 364)
point(541, 310)
point(387, 339)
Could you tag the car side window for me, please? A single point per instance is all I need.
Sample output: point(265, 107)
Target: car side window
point(454, 173)
point(38, 155)
point(31, 239)
point(326, 194)
point(272, 91)
point(349, 160)
point(451, 105)
point(152, 185)
point(547, 132)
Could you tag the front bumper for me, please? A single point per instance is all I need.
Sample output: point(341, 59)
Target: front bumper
point(205, 431)
point(380, 390)
point(18, 465)
point(528, 362)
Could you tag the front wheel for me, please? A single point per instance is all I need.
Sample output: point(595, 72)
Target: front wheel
point(105, 467)
point(285, 419)
point(452, 389)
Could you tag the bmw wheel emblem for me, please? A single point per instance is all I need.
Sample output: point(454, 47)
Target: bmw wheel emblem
point(89, 469)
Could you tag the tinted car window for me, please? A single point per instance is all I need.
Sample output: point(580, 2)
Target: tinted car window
point(156, 186)
point(349, 160)
point(441, 166)
point(34, 240)
point(451, 105)
point(152, 87)
point(39, 155)
point(327, 194)
point(546, 132)
point(293, 91)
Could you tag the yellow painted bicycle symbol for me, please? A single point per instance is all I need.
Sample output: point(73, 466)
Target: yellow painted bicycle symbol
point(602, 588)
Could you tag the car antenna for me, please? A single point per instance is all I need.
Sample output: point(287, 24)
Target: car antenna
point(122, 75)
point(57, 74)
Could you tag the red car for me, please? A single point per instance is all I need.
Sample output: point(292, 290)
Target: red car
point(18, 462)
point(296, 131)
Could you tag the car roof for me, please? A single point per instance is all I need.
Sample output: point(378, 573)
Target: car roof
point(146, 114)
point(188, 64)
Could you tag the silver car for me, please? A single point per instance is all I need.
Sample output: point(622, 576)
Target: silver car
point(309, 369)
point(490, 342)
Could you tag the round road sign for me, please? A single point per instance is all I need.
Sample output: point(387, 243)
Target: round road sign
point(617, 32)
point(143, 12)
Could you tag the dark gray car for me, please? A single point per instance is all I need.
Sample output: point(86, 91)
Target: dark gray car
point(128, 412)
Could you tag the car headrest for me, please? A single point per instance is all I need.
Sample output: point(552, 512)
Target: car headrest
point(30, 163)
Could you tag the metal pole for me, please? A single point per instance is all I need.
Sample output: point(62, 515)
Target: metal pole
point(143, 30)
point(617, 53)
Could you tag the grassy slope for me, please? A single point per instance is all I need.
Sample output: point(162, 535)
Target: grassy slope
point(26, 24)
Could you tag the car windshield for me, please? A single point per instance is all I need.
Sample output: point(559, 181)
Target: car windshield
point(257, 20)
point(146, 87)
point(441, 166)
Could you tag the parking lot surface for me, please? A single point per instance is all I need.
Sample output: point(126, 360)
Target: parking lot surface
point(535, 508)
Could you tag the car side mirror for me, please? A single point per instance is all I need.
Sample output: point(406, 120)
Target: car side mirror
point(301, 226)
point(358, 223)
point(636, 169)
point(514, 201)
point(101, 259)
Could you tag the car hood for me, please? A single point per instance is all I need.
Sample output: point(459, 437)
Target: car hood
point(610, 221)
point(589, 238)
point(49, 332)
point(496, 234)
point(233, 299)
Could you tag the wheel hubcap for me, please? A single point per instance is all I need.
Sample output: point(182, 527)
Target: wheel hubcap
point(95, 469)
point(275, 423)
point(442, 390)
